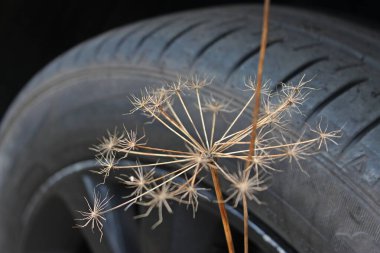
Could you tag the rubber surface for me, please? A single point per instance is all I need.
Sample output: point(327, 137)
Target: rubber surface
point(82, 93)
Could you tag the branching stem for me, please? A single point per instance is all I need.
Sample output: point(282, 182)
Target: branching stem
point(133, 200)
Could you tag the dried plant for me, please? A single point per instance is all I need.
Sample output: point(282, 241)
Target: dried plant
point(94, 215)
point(211, 143)
point(182, 108)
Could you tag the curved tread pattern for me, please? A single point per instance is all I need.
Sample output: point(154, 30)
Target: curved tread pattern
point(334, 95)
point(303, 67)
point(212, 42)
point(179, 35)
point(125, 37)
point(348, 66)
point(299, 70)
point(152, 32)
point(307, 46)
point(248, 56)
point(361, 134)
point(228, 22)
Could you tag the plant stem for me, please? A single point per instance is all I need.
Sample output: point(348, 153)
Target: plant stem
point(222, 210)
point(255, 113)
point(256, 108)
point(245, 210)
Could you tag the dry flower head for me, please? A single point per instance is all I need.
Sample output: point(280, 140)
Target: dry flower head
point(186, 110)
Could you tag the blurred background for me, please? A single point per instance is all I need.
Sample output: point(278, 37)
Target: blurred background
point(32, 33)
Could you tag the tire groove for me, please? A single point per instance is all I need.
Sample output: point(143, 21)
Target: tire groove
point(346, 87)
point(125, 37)
point(298, 70)
point(311, 45)
point(208, 45)
point(99, 47)
point(249, 55)
point(303, 67)
point(348, 66)
point(179, 35)
point(230, 21)
point(151, 33)
point(77, 54)
point(361, 134)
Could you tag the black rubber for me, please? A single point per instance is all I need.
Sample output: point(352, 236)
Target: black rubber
point(70, 103)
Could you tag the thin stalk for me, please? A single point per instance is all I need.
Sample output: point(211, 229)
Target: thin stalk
point(245, 210)
point(236, 118)
point(244, 157)
point(175, 115)
point(222, 209)
point(163, 150)
point(152, 164)
point(189, 117)
point(172, 130)
point(158, 154)
point(255, 113)
point(178, 126)
point(260, 68)
point(169, 173)
point(220, 152)
point(194, 177)
point(202, 120)
point(212, 129)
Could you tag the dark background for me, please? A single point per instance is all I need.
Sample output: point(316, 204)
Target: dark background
point(33, 32)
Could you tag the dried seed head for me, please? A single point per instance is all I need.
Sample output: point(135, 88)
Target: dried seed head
point(131, 141)
point(262, 161)
point(295, 96)
point(190, 192)
point(252, 85)
point(139, 181)
point(196, 83)
point(296, 152)
point(215, 106)
point(325, 136)
point(178, 86)
point(108, 143)
point(159, 198)
point(94, 214)
point(107, 163)
point(206, 148)
point(157, 101)
point(140, 103)
point(244, 184)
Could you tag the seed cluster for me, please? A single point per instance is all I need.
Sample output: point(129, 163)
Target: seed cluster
point(188, 112)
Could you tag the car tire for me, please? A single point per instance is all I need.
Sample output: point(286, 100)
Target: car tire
point(82, 93)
